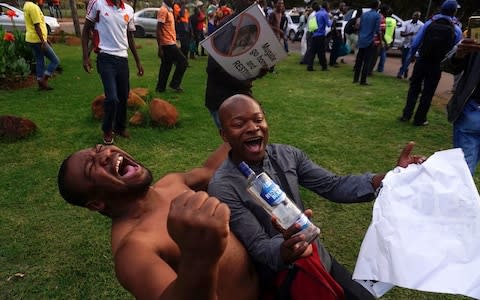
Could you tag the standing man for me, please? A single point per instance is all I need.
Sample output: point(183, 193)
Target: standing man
point(220, 84)
point(245, 128)
point(318, 38)
point(388, 36)
point(411, 28)
point(168, 51)
point(369, 27)
point(36, 36)
point(433, 41)
point(112, 21)
point(464, 107)
point(182, 26)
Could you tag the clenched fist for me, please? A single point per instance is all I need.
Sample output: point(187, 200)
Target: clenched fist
point(199, 225)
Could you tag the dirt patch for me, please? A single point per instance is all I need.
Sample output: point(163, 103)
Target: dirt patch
point(15, 83)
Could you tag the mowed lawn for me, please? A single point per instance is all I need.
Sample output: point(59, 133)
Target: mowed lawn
point(51, 250)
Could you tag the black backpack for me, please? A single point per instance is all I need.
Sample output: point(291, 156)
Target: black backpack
point(438, 39)
point(350, 26)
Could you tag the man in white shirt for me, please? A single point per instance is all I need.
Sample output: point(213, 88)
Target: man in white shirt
point(111, 22)
point(411, 28)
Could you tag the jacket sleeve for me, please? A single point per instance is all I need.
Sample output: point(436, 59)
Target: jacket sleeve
point(341, 189)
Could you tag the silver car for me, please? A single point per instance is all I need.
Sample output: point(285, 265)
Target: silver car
point(19, 19)
point(146, 22)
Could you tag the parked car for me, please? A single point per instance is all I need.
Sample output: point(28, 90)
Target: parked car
point(19, 19)
point(293, 19)
point(146, 22)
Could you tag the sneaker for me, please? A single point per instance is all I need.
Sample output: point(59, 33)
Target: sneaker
point(421, 124)
point(124, 133)
point(108, 138)
point(177, 89)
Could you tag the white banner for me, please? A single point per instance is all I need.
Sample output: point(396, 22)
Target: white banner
point(425, 230)
point(245, 44)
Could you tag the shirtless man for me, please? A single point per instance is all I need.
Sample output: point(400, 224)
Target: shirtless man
point(169, 240)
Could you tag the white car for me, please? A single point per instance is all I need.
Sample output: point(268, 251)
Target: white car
point(19, 19)
point(146, 22)
point(293, 19)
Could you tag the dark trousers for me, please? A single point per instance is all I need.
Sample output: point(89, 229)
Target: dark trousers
point(427, 75)
point(362, 63)
point(352, 289)
point(171, 55)
point(184, 38)
point(317, 48)
point(114, 73)
point(336, 43)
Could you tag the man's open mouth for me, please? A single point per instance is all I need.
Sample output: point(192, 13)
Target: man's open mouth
point(254, 144)
point(124, 167)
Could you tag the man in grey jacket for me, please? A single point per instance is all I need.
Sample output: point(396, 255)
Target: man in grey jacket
point(245, 128)
point(464, 106)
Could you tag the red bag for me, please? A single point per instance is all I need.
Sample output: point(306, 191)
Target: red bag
point(307, 280)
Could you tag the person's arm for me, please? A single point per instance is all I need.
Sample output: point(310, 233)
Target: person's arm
point(350, 188)
point(159, 34)
point(87, 29)
point(417, 41)
point(199, 226)
point(133, 49)
point(198, 178)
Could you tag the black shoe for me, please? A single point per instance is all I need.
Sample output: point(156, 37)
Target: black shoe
point(355, 81)
point(177, 89)
point(364, 83)
point(309, 69)
point(421, 123)
point(403, 119)
point(160, 90)
point(399, 76)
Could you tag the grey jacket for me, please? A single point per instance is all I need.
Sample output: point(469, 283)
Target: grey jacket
point(470, 65)
point(290, 168)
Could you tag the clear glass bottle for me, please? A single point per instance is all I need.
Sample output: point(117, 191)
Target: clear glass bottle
point(274, 200)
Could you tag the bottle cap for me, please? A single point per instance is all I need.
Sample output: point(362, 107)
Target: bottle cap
point(245, 169)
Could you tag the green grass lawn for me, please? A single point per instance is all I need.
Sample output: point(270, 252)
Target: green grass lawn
point(64, 251)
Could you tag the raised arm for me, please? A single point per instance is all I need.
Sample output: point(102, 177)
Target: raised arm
point(198, 178)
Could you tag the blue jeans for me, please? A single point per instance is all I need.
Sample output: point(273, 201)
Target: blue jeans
point(40, 55)
point(383, 58)
point(114, 73)
point(466, 134)
point(404, 67)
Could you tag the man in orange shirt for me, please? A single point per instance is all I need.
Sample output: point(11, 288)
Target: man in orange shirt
point(182, 25)
point(168, 50)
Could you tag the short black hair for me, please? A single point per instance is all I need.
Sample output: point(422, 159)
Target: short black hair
point(67, 192)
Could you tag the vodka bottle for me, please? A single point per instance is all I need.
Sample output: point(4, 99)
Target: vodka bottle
point(271, 197)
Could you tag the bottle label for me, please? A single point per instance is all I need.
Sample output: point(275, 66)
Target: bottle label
point(302, 221)
point(272, 193)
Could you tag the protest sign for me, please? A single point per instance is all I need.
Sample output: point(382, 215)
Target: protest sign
point(245, 44)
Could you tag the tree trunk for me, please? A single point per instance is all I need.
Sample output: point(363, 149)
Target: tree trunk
point(76, 21)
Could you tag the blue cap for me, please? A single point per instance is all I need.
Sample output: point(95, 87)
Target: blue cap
point(450, 5)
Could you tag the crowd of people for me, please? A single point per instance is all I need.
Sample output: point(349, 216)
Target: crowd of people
point(172, 239)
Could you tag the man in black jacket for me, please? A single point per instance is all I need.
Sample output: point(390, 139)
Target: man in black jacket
point(464, 106)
